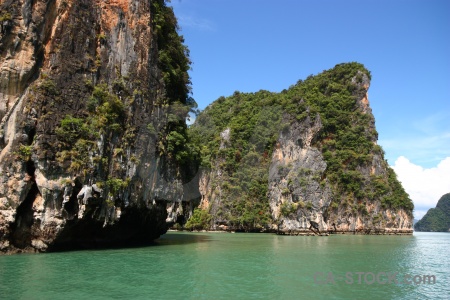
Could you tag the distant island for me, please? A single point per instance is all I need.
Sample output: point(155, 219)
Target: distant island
point(436, 219)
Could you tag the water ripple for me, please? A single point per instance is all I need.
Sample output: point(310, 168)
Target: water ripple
point(243, 266)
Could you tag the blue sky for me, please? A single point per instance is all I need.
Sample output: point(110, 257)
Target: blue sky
point(248, 45)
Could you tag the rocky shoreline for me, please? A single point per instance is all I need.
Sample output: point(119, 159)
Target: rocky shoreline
point(307, 232)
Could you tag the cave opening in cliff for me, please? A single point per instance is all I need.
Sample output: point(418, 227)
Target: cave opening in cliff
point(21, 228)
point(30, 168)
point(31, 135)
point(181, 220)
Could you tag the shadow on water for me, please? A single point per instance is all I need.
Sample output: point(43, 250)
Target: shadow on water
point(168, 239)
point(180, 238)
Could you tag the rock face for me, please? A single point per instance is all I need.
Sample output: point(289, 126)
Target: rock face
point(90, 91)
point(295, 184)
point(436, 219)
point(295, 158)
point(281, 162)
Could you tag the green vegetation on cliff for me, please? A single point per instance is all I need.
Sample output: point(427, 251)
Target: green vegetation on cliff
point(97, 138)
point(436, 219)
point(238, 134)
point(174, 63)
point(253, 121)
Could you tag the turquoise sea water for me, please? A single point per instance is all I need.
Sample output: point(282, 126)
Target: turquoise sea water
point(239, 266)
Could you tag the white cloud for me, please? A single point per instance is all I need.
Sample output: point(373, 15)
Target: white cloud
point(195, 23)
point(423, 149)
point(425, 141)
point(425, 186)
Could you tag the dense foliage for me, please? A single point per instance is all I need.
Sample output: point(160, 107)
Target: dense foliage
point(436, 219)
point(174, 64)
point(237, 135)
point(200, 220)
point(253, 121)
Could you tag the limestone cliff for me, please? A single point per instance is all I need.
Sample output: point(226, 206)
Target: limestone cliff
point(277, 162)
point(93, 97)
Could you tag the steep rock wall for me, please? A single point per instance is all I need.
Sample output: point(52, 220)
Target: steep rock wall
point(84, 118)
point(299, 191)
point(295, 193)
